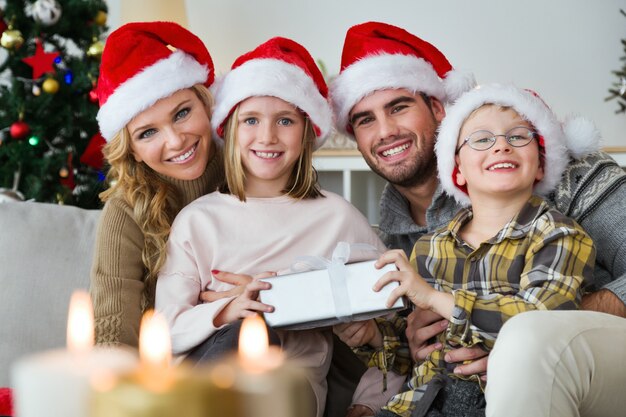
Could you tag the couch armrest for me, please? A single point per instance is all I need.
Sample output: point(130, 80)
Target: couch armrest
point(45, 253)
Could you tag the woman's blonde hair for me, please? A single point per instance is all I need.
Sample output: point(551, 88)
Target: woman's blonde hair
point(155, 202)
point(303, 180)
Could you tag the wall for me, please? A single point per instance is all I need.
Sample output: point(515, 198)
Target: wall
point(564, 49)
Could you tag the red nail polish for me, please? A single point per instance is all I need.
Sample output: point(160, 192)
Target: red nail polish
point(215, 271)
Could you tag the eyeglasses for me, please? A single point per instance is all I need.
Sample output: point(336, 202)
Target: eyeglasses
point(481, 140)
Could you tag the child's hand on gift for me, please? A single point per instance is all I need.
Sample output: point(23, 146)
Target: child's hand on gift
point(359, 333)
point(412, 285)
point(245, 304)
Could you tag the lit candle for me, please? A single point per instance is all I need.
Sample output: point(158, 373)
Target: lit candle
point(58, 382)
point(262, 380)
point(156, 388)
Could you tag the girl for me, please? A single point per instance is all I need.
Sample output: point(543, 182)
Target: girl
point(273, 113)
point(155, 117)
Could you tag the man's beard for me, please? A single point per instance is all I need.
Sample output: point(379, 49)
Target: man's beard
point(409, 172)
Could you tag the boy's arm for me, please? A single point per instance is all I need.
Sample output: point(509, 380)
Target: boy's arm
point(557, 264)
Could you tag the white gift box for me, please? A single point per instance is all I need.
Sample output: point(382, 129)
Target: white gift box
point(340, 293)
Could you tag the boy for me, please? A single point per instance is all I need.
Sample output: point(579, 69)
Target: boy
point(498, 147)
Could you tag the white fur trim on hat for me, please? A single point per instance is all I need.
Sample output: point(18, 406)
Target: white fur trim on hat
point(557, 143)
point(276, 78)
point(378, 72)
point(392, 71)
point(160, 80)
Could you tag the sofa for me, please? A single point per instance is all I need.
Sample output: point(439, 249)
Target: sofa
point(45, 254)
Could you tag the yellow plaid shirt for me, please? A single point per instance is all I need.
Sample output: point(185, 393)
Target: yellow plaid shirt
point(538, 261)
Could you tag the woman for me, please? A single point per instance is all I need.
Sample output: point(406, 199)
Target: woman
point(155, 117)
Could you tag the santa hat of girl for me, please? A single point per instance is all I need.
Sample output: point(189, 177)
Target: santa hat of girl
point(143, 63)
point(576, 137)
point(379, 56)
point(279, 68)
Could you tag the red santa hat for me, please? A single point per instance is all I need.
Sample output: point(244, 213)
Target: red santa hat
point(143, 63)
point(575, 137)
point(379, 56)
point(279, 68)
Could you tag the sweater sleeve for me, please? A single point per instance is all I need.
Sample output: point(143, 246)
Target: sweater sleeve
point(593, 191)
point(117, 276)
point(179, 285)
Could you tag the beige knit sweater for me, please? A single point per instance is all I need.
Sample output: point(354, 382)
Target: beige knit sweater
point(118, 274)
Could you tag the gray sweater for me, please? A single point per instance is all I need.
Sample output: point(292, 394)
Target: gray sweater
point(592, 192)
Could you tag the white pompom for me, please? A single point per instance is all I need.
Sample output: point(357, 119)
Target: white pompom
point(583, 138)
point(458, 82)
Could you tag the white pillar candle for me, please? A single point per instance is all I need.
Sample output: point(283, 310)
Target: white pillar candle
point(57, 382)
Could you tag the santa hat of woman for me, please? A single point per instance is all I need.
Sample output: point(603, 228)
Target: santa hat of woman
point(279, 68)
point(378, 56)
point(574, 138)
point(144, 62)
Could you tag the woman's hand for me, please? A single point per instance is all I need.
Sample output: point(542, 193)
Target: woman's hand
point(421, 327)
point(238, 280)
point(245, 304)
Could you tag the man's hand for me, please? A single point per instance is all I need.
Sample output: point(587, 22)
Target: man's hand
point(604, 301)
point(359, 410)
point(476, 355)
point(421, 326)
point(359, 333)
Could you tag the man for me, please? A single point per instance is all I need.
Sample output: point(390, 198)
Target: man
point(390, 97)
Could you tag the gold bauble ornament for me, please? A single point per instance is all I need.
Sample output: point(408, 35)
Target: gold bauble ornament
point(101, 18)
point(50, 86)
point(95, 50)
point(11, 39)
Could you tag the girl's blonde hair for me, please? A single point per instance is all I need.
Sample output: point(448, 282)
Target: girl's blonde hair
point(303, 180)
point(155, 202)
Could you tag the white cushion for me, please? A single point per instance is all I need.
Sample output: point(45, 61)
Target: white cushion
point(45, 253)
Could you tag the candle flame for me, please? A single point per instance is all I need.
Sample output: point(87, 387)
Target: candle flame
point(155, 345)
point(80, 323)
point(253, 342)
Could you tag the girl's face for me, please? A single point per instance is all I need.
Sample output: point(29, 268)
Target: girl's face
point(502, 170)
point(173, 137)
point(270, 133)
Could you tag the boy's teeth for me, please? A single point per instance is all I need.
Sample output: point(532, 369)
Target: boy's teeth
point(396, 150)
point(268, 155)
point(185, 155)
point(503, 165)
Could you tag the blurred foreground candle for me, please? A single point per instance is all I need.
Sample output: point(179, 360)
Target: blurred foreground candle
point(57, 383)
point(263, 381)
point(156, 388)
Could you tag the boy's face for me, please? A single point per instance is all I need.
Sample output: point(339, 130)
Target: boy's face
point(502, 170)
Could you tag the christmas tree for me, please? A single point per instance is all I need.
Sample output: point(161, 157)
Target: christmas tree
point(618, 90)
point(50, 148)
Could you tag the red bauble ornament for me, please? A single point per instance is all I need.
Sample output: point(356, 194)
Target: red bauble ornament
point(93, 96)
point(19, 130)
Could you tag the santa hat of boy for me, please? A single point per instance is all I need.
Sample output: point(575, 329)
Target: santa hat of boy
point(379, 56)
point(143, 63)
point(279, 68)
point(576, 137)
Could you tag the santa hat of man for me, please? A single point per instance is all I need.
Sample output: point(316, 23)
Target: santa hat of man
point(576, 137)
point(279, 68)
point(144, 62)
point(379, 56)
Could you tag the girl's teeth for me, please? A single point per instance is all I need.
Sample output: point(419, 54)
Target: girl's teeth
point(396, 150)
point(267, 155)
